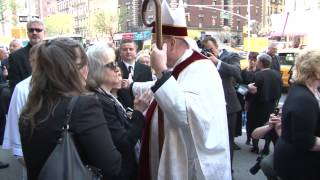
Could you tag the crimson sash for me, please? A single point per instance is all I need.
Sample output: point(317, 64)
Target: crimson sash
point(144, 165)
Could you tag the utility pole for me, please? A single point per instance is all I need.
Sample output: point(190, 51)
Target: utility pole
point(249, 33)
point(40, 10)
point(29, 9)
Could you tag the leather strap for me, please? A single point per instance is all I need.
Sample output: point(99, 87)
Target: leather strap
point(69, 111)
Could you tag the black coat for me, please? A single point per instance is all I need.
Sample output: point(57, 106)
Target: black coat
point(275, 63)
point(4, 63)
point(90, 132)
point(262, 104)
point(2, 79)
point(293, 157)
point(142, 73)
point(230, 74)
point(19, 66)
point(125, 133)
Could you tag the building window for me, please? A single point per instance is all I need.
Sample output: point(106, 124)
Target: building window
point(238, 25)
point(214, 20)
point(214, 2)
point(226, 22)
point(188, 17)
point(238, 10)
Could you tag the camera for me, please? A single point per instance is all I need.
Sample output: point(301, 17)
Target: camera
point(276, 111)
point(206, 52)
point(256, 167)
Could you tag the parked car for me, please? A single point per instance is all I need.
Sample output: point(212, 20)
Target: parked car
point(287, 58)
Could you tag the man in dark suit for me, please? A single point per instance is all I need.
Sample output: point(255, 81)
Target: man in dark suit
point(266, 91)
point(19, 67)
point(19, 64)
point(272, 51)
point(132, 71)
point(2, 117)
point(228, 65)
point(128, 65)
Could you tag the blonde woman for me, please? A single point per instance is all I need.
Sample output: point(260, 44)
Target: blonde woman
point(297, 152)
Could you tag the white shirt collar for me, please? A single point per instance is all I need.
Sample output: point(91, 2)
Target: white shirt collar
point(185, 56)
point(127, 65)
point(220, 52)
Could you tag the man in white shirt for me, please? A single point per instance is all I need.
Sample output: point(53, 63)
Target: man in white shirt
point(12, 135)
point(132, 71)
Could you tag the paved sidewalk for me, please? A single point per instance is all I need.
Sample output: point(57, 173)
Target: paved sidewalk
point(243, 161)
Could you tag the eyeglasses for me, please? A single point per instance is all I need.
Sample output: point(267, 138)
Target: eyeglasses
point(112, 65)
point(31, 30)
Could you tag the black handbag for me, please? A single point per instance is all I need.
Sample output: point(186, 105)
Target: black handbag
point(64, 162)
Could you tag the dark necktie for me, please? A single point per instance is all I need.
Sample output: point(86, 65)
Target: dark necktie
point(130, 68)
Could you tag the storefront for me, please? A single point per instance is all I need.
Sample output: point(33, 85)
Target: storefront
point(139, 37)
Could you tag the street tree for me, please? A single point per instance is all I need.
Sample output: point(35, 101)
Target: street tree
point(58, 24)
point(255, 27)
point(14, 6)
point(105, 23)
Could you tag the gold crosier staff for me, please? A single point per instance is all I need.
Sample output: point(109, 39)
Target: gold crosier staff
point(158, 31)
point(157, 22)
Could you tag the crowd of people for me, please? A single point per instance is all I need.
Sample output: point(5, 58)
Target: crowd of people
point(150, 114)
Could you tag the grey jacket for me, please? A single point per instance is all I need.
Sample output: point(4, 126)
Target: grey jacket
point(230, 73)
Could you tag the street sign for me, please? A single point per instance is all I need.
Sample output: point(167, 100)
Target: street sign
point(128, 36)
point(225, 15)
point(138, 36)
point(25, 18)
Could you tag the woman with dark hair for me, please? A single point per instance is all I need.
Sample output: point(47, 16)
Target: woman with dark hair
point(247, 75)
point(297, 151)
point(59, 72)
point(125, 131)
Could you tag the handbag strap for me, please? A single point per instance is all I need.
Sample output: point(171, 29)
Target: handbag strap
point(69, 112)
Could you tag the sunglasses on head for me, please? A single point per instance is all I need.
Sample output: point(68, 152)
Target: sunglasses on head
point(31, 30)
point(111, 65)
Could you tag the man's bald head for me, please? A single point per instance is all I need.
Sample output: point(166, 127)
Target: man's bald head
point(14, 45)
point(272, 49)
point(3, 54)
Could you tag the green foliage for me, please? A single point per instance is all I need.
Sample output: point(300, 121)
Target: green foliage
point(14, 7)
point(123, 18)
point(2, 9)
point(105, 22)
point(58, 24)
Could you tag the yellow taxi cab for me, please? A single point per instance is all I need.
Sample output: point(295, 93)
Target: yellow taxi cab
point(244, 63)
point(286, 60)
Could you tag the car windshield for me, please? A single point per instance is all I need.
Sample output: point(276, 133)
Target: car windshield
point(287, 58)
